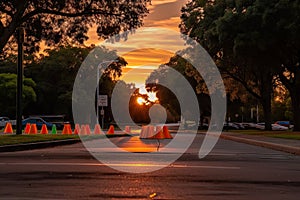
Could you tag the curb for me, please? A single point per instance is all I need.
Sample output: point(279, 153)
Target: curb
point(47, 144)
point(37, 145)
point(270, 145)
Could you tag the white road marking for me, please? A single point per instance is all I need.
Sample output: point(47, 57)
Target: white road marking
point(121, 164)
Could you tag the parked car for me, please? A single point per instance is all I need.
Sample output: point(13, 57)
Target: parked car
point(283, 123)
point(4, 120)
point(275, 127)
point(249, 125)
point(38, 121)
point(58, 120)
point(239, 125)
point(230, 126)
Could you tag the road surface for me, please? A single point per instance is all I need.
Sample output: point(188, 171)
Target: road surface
point(231, 171)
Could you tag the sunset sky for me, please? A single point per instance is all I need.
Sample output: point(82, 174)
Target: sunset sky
point(163, 14)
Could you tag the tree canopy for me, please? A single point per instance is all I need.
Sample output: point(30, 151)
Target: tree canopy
point(59, 22)
point(250, 40)
point(8, 84)
point(55, 73)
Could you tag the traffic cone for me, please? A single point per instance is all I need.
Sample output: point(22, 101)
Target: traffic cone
point(111, 130)
point(166, 133)
point(27, 128)
point(82, 130)
point(159, 134)
point(77, 129)
point(33, 129)
point(54, 130)
point(150, 132)
point(67, 129)
point(87, 129)
point(8, 128)
point(127, 129)
point(44, 129)
point(97, 129)
point(143, 132)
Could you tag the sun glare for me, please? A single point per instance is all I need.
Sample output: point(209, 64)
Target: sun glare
point(141, 100)
point(152, 96)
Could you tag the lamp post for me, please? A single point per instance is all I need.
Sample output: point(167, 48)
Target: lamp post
point(98, 77)
point(21, 36)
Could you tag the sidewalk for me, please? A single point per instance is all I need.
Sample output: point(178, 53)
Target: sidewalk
point(279, 144)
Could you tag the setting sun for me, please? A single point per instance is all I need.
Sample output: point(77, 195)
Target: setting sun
point(148, 96)
point(141, 100)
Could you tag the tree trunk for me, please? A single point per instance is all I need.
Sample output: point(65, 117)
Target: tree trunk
point(266, 103)
point(266, 94)
point(295, 97)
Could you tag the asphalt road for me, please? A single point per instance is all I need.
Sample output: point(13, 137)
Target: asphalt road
point(231, 171)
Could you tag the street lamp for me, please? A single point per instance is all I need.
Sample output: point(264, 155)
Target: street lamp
point(98, 77)
point(21, 37)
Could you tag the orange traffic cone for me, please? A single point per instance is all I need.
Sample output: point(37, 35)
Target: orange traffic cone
point(111, 130)
point(67, 129)
point(166, 133)
point(149, 132)
point(27, 128)
point(97, 129)
point(127, 129)
point(143, 132)
point(159, 134)
point(77, 129)
point(44, 129)
point(87, 129)
point(8, 128)
point(83, 129)
point(33, 129)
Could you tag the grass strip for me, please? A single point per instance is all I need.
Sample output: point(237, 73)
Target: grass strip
point(275, 134)
point(22, 139)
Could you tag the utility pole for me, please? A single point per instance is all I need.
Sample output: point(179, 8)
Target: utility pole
point(257, 114)
point(21, 36)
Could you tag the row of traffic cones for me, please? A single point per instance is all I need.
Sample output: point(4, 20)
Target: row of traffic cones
point(83, 129)
point(158, 132)
point(147, 132)
point(32, 129)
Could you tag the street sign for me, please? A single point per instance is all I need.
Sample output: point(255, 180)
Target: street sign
point(102, 100)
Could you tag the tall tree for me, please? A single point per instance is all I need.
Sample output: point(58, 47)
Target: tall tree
point(284, 21)
point(245, 39)
point(8, 85)
point(66, 21)
point(55, 74)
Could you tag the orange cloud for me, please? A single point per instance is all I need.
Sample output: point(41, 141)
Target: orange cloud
point(147, 57)
point(172, 23)
point(163, 14)
point(142, 62)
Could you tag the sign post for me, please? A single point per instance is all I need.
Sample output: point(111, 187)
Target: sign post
point(102, 101)
point(21, 36)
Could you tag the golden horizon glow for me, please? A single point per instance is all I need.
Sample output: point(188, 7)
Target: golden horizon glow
point(163, 14)
point(143, 62)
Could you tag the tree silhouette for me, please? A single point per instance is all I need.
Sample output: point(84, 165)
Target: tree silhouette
point(252, 41)
point(66, 21)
